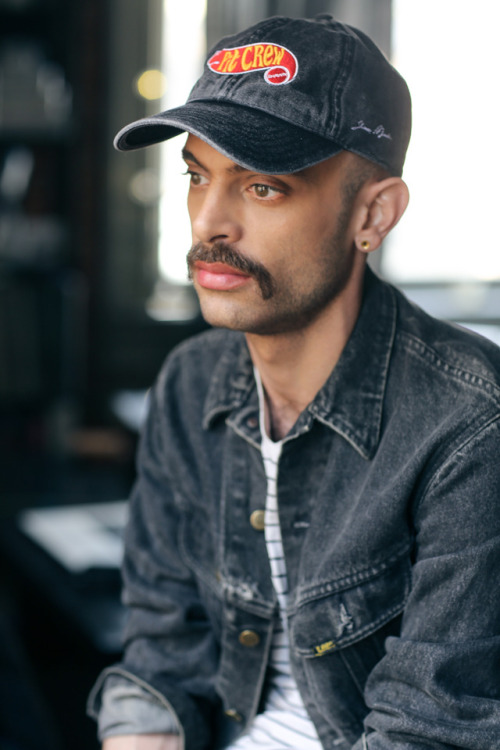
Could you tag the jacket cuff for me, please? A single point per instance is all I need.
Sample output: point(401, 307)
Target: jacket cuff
point(121, 703)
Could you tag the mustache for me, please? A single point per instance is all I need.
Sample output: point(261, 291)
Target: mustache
point(220, 252)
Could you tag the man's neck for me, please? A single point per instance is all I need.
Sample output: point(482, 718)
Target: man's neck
point(294, 366)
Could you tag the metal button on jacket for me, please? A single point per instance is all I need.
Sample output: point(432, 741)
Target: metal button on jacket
point(233, 714)
point(257, 520)
point(249, 638)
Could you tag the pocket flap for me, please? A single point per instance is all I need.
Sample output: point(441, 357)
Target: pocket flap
point(330, 622)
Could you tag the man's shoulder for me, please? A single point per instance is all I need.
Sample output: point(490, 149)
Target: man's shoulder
point(447, 347)
point(199, 365)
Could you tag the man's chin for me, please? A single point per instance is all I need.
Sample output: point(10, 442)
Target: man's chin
point(246, 322)
point(219, 311)
point(234, 317)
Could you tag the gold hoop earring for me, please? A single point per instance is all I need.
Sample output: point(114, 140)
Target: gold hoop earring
point(365, 245)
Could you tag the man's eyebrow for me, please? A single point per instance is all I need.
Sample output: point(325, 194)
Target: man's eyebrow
point(302, 174)
point(188, 156)
point(233, 169)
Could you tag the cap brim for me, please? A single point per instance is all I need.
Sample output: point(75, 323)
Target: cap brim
point(251, 138)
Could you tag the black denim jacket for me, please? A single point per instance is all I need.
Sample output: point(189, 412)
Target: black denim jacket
point(388, 492)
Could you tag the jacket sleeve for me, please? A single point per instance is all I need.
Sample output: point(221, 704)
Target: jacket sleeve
point(439, 683)
point(170, 645)
point(121, 706)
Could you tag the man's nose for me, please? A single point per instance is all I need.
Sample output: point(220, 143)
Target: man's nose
point(214, 217)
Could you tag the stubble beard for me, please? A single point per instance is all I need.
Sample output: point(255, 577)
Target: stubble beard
point(287, 309)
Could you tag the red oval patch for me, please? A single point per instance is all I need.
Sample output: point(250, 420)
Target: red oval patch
point(280, 64)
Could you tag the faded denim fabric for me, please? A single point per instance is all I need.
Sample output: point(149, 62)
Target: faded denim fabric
point(129, 708)
point(388, 492)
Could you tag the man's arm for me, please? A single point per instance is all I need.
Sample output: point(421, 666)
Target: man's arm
point(125, 708)
point(438, 684)
point(171, 648)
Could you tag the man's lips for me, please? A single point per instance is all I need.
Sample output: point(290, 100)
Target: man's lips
point(219, 276)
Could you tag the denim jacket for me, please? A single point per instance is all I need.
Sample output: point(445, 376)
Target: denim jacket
point(388, 492)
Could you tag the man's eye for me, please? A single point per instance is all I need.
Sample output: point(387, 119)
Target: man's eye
point(195, 178)
point(265, 191)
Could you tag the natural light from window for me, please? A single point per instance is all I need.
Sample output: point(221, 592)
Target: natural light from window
point(184, 47)
point(447, 50)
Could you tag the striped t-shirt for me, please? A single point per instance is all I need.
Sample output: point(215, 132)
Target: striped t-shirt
point(284, 723)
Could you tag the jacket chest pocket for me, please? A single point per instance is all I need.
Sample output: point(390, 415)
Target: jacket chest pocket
point(340, 614)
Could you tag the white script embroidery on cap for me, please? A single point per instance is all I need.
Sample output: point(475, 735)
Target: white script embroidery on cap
point(379, 131)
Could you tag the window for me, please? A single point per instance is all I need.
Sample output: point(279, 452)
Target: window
point(446, 251)
point(447, 52)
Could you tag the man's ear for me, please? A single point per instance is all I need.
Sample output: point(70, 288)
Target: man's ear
point(383, 204)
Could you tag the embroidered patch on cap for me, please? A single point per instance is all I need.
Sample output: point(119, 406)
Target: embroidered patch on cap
point(280, 64)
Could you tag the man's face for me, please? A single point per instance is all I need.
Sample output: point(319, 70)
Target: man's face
point(270, 253)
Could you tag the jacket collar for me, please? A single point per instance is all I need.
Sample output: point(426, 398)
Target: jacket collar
point(350, 402)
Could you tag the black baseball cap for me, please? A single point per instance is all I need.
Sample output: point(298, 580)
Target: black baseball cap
point(288, 93)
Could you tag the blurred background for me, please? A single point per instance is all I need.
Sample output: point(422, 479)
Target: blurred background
point(93, 291)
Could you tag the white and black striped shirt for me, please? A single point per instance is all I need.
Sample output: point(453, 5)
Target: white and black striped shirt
point(284, 723)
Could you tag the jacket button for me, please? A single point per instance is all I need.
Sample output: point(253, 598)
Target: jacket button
point(233, 714)
point(257, 520)
point(249, 638)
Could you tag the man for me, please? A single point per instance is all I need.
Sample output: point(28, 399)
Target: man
point(314, 542)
